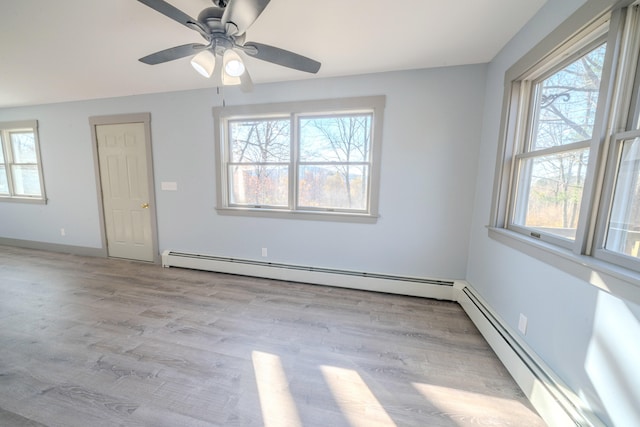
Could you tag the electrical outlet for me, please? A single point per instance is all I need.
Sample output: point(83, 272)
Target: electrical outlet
point(522, 324)
point(62, 232)
point(264, 252)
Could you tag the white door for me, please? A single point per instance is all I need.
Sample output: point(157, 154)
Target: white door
point(122, 155)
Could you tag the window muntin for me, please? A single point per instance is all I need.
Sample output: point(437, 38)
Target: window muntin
point(20, 168)
point(311, 157)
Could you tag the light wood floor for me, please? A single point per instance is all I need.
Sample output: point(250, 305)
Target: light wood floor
point(103, 342)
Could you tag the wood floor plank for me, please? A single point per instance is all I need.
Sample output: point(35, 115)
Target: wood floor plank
point(8, 418)
point(103, 342)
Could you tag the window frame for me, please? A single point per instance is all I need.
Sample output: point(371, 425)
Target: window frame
point(618, 107)
point(295, 111)
point(226, 150)
point(594, 36)
point(607, 200)
point(6, 129)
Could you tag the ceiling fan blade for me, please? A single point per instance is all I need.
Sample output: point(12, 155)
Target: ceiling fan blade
point(281, 57)
point(242, 13)
point(172, 53)
point(170, 11)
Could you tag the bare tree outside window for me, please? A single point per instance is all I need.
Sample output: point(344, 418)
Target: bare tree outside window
point(334, 161)
point(568, 168)
point(304, 159)
point(553, 166)
point(260, 152)
point(333, 169)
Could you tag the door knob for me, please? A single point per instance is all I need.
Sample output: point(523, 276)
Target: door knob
point(145, 206)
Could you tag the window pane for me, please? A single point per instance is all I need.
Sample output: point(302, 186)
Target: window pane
point(623, 233)
point(259, 185)
point(4, 185)
point(23, 145)
point(26, 181)
point(565, 102)
point(260, 141)
point(333, 187)
point(550, 192)
point(336, 138)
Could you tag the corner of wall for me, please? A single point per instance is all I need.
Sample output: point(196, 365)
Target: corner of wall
point(548, 394)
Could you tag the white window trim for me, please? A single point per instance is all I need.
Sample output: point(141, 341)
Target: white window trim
point(5, 128)
point(368, 103)
point(581, 260)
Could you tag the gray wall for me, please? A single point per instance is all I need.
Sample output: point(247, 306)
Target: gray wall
point(439, 150)
point(432, 123)
point(590, 338)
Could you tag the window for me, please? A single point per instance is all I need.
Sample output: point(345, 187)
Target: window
point(318, 158)
point(622, 233)
point(20, 167)
point(550, 169)
point(569, 176)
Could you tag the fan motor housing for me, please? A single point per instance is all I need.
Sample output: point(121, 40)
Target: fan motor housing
point(211, 17)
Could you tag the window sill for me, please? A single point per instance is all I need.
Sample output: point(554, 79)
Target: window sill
point(618, 281)
point(29, 200)
point(305, 215)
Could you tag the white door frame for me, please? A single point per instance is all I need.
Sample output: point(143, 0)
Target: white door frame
point(145, 119)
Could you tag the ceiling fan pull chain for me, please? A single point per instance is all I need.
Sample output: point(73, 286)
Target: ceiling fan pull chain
point(224, 104)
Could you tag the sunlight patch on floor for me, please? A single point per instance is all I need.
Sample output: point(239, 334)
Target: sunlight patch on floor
point(354, 398)
point(468, 408)
point(276, 401)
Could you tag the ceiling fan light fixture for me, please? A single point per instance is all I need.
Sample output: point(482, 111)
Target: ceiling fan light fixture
point(232, 63)
point(224, 27)
point(228, 80)
point(204, 63)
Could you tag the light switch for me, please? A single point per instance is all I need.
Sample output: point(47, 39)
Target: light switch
point(169, 186)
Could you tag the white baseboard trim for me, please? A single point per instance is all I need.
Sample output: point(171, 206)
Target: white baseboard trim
point(54, 247)
point(548, 394)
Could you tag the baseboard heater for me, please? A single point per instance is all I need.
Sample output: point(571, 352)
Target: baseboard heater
point(553, 399)
point(403, 285)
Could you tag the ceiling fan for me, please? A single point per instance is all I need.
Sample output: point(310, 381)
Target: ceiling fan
point(224, 27)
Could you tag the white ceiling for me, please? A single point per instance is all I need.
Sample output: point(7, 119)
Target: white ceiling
point(64, 50)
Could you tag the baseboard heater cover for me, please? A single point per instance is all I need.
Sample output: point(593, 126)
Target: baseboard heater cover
point(551, 397)
point(404, 285)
